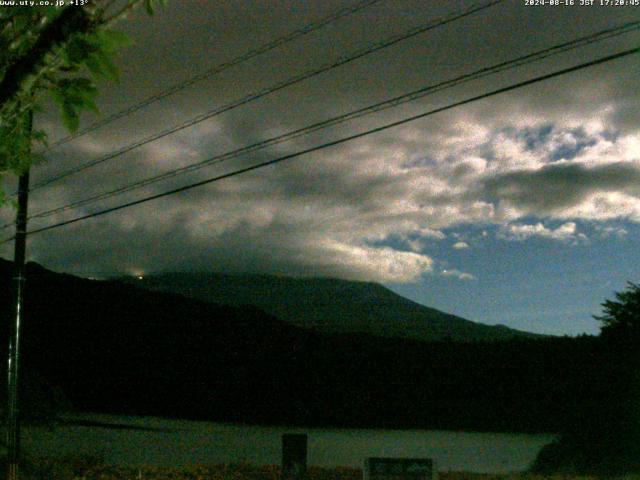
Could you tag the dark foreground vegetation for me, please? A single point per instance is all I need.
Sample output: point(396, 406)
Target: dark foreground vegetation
point(113, 348)
point(604, 435)
point(91, 468)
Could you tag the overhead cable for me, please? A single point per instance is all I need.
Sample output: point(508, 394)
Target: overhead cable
point(323, 146)
point(343, 60)
point(399, 100)
point(278, 42)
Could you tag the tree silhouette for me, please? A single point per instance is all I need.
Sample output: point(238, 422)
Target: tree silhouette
point(621, 317)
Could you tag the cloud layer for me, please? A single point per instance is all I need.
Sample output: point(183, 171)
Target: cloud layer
point(559, 152)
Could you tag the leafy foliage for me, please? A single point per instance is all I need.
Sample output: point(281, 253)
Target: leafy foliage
point(621, 316)
point(93, 51)
point(62, 52)
point(604, 434)
point(150, 5)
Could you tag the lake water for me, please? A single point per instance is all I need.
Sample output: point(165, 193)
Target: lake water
point(162, 442)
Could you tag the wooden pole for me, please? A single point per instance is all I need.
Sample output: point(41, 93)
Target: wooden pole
point(13, 411)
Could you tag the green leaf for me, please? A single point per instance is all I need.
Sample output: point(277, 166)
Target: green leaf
point(148, 6)
point(73, 95)
point(51, 11)
point(94, 66)
point(40, 136)
point(20, 21)
point(112, 40)
point(70, 118)
point(109, 68)
point(79, 49)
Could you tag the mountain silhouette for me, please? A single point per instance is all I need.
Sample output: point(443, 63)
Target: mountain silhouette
point(329, 305)
point(112, 347)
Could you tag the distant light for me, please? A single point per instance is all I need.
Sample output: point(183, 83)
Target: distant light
point(140, 277)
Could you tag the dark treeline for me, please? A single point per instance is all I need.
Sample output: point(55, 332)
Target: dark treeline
point(110, 347)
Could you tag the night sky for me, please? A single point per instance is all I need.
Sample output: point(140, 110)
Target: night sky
point(521, 209)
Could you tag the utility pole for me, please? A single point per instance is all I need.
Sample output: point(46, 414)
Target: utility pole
point(13, 419)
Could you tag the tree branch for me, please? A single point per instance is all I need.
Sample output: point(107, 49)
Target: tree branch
point(72, 20)
point(122, 11)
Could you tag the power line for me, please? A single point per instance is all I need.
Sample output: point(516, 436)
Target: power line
point(177, 87)
point(557, 73)
point(275, 88)
point(399, 100)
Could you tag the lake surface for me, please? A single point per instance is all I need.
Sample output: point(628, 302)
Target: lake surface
point(135, 441)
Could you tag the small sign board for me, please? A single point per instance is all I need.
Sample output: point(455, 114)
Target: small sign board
point(399, 469)
point(294, 456)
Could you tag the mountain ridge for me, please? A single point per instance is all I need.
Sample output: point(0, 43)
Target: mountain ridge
point(329, 305)
point(114, 348)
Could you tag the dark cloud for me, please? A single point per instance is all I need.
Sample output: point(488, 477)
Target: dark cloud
point(554, 188)
point(324, 212)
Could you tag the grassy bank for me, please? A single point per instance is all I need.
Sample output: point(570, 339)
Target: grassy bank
point(89, 468)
